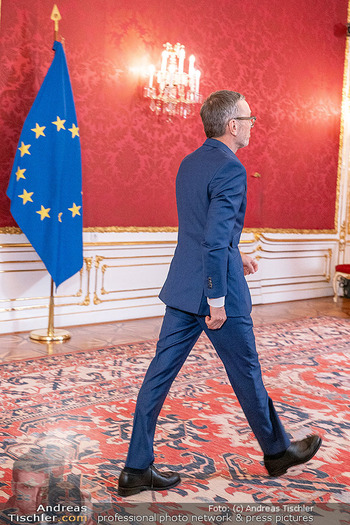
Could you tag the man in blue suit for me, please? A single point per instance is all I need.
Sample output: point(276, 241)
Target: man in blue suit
point(206, 290)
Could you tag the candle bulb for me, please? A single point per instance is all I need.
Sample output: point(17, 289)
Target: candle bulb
point(172, 69)
point(198, 76)
point(191, 65)
point(151, 73)
point(181, 60)
point(164, 61)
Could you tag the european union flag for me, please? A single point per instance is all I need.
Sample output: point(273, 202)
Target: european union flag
point(45, 186)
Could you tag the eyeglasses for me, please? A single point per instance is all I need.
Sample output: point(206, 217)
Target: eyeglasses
point(252, 119)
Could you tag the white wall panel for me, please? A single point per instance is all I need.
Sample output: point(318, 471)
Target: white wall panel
point(123, 274)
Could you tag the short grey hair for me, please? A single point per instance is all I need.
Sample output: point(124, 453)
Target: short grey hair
point(217, 110)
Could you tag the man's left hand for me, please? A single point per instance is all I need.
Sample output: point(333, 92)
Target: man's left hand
point(249, 264)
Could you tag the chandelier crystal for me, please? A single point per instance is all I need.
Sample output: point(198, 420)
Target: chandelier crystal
point(171, 90)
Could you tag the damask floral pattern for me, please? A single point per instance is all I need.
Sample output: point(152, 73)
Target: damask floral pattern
point(286, 57)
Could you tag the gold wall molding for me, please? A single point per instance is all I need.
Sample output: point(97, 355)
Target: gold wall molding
point(78, 293)
point(119, 257)
point(348, 205)
point(13, 230)
point(135, 244)
point(280, 257)
point(100, 272)
point(88, 266)
point(266, 279)
point(102, 243)
point(307, 240)
point(342, 238)
point(131, 229)
point(299, 289)
point(19, 271)
point(290, 230)
point(299, 250)
point(169, 229)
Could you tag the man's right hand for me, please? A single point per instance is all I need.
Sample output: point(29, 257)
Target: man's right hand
point(217, 317)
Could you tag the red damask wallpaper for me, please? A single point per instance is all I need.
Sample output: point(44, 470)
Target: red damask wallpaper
point(286, 57)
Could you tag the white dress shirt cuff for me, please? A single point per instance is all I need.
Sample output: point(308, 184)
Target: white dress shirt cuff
point(217, 302)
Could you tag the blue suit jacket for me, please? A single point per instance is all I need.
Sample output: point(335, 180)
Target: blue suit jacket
point(211, 200)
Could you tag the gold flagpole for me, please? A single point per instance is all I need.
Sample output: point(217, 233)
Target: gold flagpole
point(50, 335)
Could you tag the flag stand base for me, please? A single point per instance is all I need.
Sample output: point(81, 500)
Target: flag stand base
point(43, 336)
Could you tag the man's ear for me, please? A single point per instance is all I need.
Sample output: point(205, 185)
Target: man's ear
point(232, 126)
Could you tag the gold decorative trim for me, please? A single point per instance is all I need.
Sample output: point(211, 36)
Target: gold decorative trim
point(134, 306)
point(102, 243)
point(33, 307)
point(252, 288)
point(16, 245)
point(328, 264)
point(308, 240)
point(133, 229)
point(106, 266)
point(45, 298)
point(128, 243)
point(289, 257)
point(134, 244)
point(135, 257)
point(342, 239)
point(18, 271)
point(141, 229)
point(14, 230)
point(299, 290)
point(328, 259)
point(280, 278)
point(348, 206)
point(10, 230)
point(97, 300)
point(24, 261)
point(122, 290)
point(260, 248)
point(88, 265)
point(290, 230)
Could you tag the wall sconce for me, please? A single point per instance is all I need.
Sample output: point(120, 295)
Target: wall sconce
point(171, 90)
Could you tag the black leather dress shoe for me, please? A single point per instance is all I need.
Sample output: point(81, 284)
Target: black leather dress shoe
point(150, 479)
point(297, 453)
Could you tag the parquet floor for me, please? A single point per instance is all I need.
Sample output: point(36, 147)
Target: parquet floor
point(19, 346)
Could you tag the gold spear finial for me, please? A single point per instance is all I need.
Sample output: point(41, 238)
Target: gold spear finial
point(56, 17)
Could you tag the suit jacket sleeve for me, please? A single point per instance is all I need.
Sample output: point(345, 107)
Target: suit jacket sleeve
point(226, 191)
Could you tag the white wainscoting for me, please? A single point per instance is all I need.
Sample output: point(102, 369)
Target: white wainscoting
point(123, 273)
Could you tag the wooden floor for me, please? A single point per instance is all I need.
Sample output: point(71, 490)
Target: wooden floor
point(89, 337)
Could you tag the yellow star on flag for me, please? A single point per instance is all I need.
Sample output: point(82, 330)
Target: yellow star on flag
point(19, 173)
point(26, 196)
point(59, 123)
point(39, 131)
point(75, 210)
point(60, 217)
point(24, 149)
point(74, 130)
point(44, 212)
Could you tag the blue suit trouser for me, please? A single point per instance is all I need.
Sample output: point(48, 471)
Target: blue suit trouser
point(235, 345)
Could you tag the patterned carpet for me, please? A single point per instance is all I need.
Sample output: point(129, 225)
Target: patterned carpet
point(76, 410)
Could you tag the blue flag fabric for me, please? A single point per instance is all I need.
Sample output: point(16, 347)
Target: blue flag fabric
point(46, 185)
